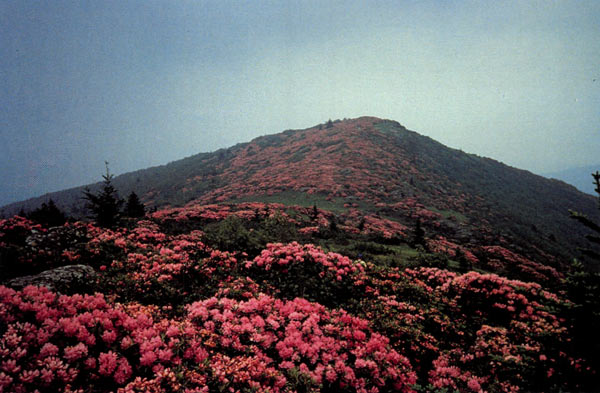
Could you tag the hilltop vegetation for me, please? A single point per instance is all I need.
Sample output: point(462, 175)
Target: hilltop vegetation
point(373, 165)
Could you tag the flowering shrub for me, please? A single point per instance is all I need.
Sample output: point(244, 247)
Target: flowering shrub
point(504, 260)
point(62, 343)
point(509, 336)
point(16, 229)
point(28, 248)
point(332, 349)
point(313, 273)
point(442, 245)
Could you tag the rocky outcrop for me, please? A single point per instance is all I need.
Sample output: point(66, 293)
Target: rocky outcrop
point(65, 279)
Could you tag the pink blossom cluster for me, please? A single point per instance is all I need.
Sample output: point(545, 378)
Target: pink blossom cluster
point(514, 330)
point(374, 224)
point(330, 348)
point(33, 248)
point(63, 343)
point(500, 257)
point(218, 212)
point(16, 229)
point(146, 254)
point(444, 246)
point(430, 277)
point(282, 256)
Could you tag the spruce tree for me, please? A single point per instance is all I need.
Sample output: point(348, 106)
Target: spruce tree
point(49, 215)
point(594, 237)
point(134, 207)
point(105, 206)
point(418, 235)
point(582, 286)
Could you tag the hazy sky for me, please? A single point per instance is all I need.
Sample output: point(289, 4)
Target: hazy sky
point(142, 83)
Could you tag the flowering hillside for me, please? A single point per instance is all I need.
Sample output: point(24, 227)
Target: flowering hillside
point(259, 297)
point(374, 166)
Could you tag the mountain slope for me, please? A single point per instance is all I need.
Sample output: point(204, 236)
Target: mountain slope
point(376, 166)
point(578, 177)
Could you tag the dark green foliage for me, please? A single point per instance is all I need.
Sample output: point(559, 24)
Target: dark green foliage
point(48, 215)
point(229, 235)
point(134, 207)
point(591, 253)
point(464, 263)
point(366, 250)
point(329, 124)
point(251, 236)
point(25, 252)
point(439, 261)
point(333, 227)
point(361, 224)
point(583, 289)
point(105, 206)
point(418, 235)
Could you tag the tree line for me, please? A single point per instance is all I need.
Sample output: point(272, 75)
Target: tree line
point(105, 207)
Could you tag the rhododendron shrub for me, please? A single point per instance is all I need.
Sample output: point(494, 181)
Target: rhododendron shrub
point(331, 349)
point(159, 269)
point(517, 266)
point(309, 272)
point(510, 337)
point(62, 343)
point(58, 343)
point(28, 248)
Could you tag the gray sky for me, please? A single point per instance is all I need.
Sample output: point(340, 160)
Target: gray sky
point(142, 83)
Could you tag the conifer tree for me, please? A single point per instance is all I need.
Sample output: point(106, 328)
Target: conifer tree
point(594, 237)
point(134, 207)
point(315, 212)
point(418, 235)
point(49, 215)
point(583, 289)
point(105, 206)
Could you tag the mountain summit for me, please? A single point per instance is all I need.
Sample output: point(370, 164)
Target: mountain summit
point(373, 165)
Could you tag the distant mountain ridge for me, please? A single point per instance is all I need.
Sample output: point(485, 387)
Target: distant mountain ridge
point(372, 165)
point(579, 177)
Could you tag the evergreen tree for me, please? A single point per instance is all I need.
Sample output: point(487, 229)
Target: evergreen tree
point(48, 215)
point(361, 224)
point(594, 237)
point(134, 207)
point(418, 235)
point(583, 289)
point(105, 206)
point(333, 226)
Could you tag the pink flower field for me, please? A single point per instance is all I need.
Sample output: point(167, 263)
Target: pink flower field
point(169, 311)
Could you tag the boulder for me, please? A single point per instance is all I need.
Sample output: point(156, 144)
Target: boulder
point(65, 279)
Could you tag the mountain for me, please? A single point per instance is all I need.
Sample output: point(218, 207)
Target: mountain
point(579, 177)
point(376, 166)
point(354, 256)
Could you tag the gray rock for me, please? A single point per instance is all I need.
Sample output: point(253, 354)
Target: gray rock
point(62, 279)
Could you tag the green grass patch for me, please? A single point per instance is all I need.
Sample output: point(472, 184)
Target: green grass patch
point(449, 213)
point(296, 198)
